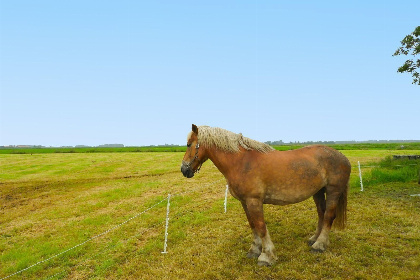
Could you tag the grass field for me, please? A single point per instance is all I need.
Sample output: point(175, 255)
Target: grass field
point(52, 202)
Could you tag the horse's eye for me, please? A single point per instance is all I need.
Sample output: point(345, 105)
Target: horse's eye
point(188, 145)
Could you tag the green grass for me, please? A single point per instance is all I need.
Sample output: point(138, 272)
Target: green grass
point(393, 170)
point(52, 202)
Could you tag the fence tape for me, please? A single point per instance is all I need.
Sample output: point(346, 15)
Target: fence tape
point(165, 244)
point(226, 194)
point(360, 176)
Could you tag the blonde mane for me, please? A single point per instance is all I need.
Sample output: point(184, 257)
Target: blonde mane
point(228, 141)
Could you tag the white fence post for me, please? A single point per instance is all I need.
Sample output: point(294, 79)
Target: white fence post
point(360, 175)
point(166, 227)
point(226, 193)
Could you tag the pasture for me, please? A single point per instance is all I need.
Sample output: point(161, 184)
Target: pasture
point(51, 202)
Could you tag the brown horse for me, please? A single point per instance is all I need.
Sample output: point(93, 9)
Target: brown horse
point(257, 174)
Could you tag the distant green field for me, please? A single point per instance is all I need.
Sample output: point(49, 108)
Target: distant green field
point(361, 146)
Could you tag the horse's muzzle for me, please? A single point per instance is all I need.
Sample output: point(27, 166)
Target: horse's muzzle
point(186, 171)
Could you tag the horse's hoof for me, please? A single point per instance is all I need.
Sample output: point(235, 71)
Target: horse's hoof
point(263, 263)
point(311, 242)
point(317, 250)
point(318, 247)
point(252, 255)
point(266, 260)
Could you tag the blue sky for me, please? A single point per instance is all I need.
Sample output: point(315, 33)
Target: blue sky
point(141, 72)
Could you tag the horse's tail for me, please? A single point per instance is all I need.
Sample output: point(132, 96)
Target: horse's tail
point(341, 210)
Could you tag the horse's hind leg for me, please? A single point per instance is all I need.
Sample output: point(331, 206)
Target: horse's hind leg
point(333, 196)
point(319, 199)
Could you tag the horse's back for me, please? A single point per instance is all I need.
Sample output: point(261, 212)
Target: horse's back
point(321, 156)
point(293, 176)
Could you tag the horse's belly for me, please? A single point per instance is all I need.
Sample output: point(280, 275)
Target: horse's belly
point(276, 201)
point(287, 198)
point(293, 190)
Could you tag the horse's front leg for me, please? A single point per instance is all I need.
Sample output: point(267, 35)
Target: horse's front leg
point(256, 246)
point(256, 219)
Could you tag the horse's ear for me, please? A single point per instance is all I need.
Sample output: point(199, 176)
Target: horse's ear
point(195, 129)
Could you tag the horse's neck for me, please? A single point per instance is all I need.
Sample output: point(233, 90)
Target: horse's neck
point(224, 161)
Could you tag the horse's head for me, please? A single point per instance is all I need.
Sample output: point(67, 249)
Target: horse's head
point(194, 156)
